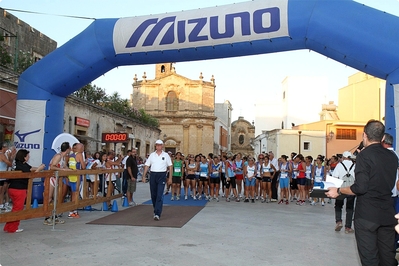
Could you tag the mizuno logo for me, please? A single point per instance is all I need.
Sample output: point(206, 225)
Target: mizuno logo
point(169, 30)
point(23, 136)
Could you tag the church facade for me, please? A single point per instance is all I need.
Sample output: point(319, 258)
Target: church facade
point(185, 108)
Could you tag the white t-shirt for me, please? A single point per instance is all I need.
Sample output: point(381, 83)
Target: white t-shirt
point(124, 161)
point(159, 163)
point(275, 163)
point(340, 171)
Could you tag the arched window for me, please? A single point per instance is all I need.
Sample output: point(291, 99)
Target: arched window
point(172, 102)
point(162, 69)
point(241, 139)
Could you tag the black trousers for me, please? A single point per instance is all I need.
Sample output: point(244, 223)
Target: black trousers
point(350, 208)
point(375, 243)
point(275, 185)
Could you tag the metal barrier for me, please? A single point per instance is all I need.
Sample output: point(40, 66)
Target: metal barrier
point(57, 205)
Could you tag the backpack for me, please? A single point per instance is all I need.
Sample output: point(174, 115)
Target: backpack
point(348, 179)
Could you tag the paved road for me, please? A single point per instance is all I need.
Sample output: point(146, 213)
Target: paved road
point(221, 234)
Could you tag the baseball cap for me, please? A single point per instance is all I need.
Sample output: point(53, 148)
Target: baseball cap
point(229, 154)
point(159, 142)
point(347, 154)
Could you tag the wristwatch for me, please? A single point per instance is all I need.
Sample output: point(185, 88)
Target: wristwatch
point(339, 191)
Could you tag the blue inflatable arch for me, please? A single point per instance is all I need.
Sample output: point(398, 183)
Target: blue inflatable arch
point(346, 31)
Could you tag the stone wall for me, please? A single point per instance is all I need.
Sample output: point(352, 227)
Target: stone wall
point(25, 37)
point(101, 120)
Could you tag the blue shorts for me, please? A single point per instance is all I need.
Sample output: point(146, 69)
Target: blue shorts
point(73, 186)
point(284, 182)
point(250, 183)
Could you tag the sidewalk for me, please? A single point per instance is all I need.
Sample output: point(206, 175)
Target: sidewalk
point(223, 233)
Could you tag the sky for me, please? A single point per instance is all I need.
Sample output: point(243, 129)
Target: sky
point(241, 80)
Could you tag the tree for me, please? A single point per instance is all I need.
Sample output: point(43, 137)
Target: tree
point(5, 56)
point(114, 102)
point(25, 60)
point(92, 94)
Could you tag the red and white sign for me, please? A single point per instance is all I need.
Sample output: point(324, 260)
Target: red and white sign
point(82, 122)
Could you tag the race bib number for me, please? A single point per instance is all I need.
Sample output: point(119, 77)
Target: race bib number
point(203, 174)
point(177, 170)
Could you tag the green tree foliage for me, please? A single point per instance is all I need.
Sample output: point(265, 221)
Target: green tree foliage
point(91, 94)
point(25, 60)
point(5, 55)
point(7, 59)
point(114, 102)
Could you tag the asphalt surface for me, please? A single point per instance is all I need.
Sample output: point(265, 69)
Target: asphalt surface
point(223, 233)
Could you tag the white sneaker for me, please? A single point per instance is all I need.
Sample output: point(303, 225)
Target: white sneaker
point(172, 198)
point(185, 197)
point(19, 230)
point(322, 203)
point(313, 203)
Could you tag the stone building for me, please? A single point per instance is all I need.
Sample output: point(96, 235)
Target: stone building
point(183, 107)
point(87, 122)
point(242, 137)
point(19, 41)
point(21, 38)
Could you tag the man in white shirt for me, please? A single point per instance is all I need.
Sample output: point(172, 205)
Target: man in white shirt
point(161, 166)
point(340, 172)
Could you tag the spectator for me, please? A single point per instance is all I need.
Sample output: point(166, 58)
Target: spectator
point(375, 172)
point(18, 188)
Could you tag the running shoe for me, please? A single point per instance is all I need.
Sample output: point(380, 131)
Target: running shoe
point(59, 221)
point(246, 200)
point(73, 215)
point(338, 226)
point(281, 201)
point(48, 221)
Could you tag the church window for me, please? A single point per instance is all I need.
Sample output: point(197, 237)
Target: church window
point(241, 139)
point(172, 102)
